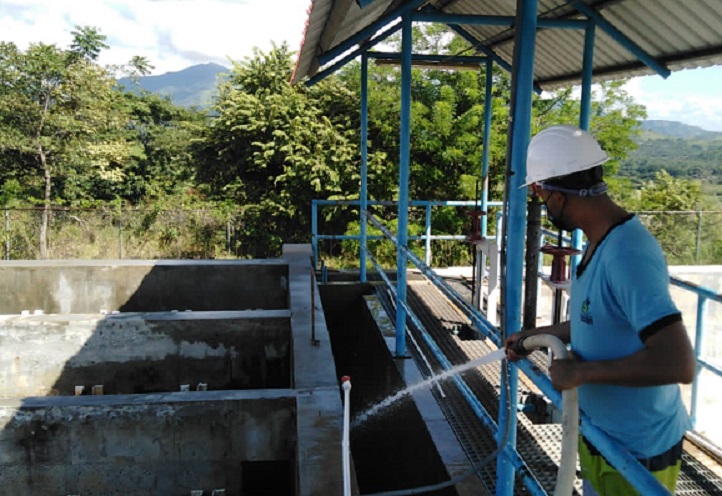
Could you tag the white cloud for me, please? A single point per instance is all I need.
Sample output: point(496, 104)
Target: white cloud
point(690, 106)
point(172, 34)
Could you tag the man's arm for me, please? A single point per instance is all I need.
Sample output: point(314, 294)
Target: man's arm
point(666, 358)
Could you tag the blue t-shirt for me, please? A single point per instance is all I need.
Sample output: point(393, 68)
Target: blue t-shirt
point(621, 292)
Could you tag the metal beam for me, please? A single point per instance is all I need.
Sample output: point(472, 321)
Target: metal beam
point(348, 58)
point(367, 32)
point(621, 38)
point(424, 59)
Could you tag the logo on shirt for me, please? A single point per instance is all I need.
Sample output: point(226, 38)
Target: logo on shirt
point(586, 314)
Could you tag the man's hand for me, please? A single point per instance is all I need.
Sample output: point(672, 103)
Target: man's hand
point(565, 374)
point(512, 355)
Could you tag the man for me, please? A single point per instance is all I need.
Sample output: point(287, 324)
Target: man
point(630, 347)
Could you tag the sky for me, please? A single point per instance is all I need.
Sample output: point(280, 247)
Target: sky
point(175, 34)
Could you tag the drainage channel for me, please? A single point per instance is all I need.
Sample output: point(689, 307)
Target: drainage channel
point(537, 443)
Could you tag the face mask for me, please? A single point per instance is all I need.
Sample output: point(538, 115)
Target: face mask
point(558, 221)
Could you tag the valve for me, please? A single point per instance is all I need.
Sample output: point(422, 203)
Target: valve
point(559, 261)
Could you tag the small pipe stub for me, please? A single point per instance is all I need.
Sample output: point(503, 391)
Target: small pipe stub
point(475, 234)
point(559, 261)
point(346, 383)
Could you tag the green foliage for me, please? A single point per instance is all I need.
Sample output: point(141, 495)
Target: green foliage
point(239, 181)
point(273, 148)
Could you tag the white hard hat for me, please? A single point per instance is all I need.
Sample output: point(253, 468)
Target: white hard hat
point(561, 150)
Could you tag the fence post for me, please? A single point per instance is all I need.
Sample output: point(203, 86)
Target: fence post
point(120, 238)
point(7, 233)
point(699, 237)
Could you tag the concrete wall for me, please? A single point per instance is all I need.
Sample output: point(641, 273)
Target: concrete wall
point(144, 353)
point(255, 324)
point(142, 445)
point(70, 287)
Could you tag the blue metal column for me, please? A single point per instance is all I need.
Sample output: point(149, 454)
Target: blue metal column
point(404, 166)
point(364, 162)
point(487, 146)
point(522, 88)
point(314, 232)
point(584, 117)
point(427, 233)
point(698, 347)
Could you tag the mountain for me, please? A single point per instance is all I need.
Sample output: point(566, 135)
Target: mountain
point(684, 151)
point(191, 87)
point(674, 129)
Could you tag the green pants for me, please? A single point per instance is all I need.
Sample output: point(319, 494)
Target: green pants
point(606, 481)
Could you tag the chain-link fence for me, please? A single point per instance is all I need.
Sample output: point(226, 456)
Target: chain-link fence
point(687, 237)
point(88, 234)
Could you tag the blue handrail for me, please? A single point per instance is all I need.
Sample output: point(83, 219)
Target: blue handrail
point(628, 466)
point(427, 237)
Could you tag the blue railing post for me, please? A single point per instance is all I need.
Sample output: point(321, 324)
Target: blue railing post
point(404, 166)
point(427, 235)
point(698, 347)
point(364, 164)
point(314, 232)
point(522, 89)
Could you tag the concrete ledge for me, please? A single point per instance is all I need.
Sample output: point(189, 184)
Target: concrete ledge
point(135, 285)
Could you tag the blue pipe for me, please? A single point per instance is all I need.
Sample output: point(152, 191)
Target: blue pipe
point(364, 163)
point(404, 166)
point(477, 319)
point(698, 347)
point(427, 232)
point(314, 232)
point(700, 290)
point(584, 118)
point(465, 19)
point(495, 20)
point(431, 58)
point(413, 203)
point(523, 86)
point(486, 139)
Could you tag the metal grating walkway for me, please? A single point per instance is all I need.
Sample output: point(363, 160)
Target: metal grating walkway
point(538, 444)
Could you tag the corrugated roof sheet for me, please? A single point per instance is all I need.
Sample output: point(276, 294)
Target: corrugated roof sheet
point(676, 34)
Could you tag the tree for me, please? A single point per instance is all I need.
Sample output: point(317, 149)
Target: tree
point(271, 149)
point(87, 43)
point(60, 119)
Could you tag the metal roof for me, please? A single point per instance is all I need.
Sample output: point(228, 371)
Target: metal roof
point(671, 33)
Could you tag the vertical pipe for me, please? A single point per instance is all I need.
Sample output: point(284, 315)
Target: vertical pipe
point(699, 237)
point(584, 118)
point(533, 258)
point(522, 88)
point(364, 162)
point(345, 442)
point(487, 145)
point(427, 232)
point(314, 232)
point(404, 165)
point(698, 346)
point(7, 234)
